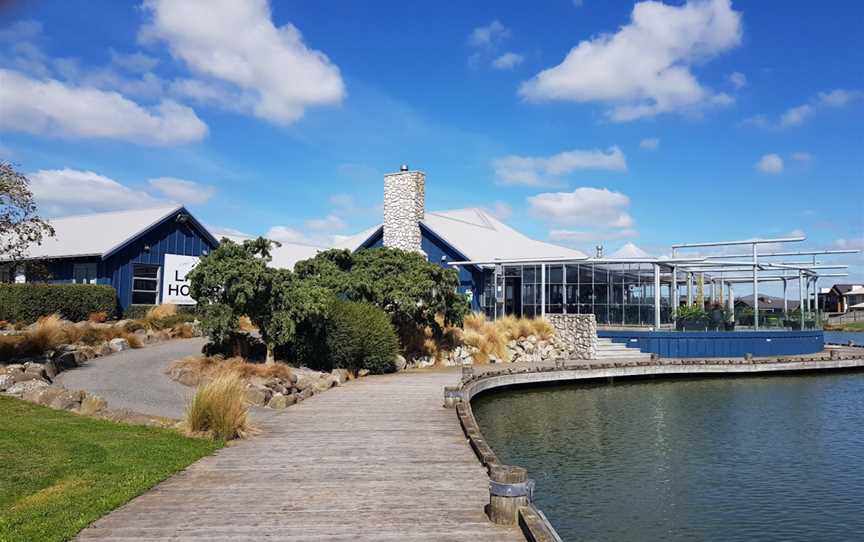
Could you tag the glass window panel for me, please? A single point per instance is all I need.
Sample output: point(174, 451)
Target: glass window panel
point(554, 294)
point(146, 271)
point(586, 293)
point(513, 271)
point(530, 273)
point(555, 274)
point(145, 285)
point(572, 274)
point(144, 298)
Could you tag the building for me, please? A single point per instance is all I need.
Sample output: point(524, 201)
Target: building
point(767, 304)
point(842, 298)
point(143, 253)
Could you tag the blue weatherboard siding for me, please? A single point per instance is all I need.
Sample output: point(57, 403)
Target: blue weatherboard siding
point(440, 252)
point(719, 344)
point(166, 237)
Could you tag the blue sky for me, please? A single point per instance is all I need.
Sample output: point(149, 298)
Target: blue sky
point(580, 122)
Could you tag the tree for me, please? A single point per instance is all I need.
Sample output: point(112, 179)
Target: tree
point(410, 289)
point(20, 225)
point(235, 280)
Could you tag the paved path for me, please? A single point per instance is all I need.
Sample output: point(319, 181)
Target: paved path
point(376, 459)
point(136, 380)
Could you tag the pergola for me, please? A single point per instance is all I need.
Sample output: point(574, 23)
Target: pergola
point(721, 271)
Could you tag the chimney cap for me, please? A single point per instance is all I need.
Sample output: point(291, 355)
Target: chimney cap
point(403, 167)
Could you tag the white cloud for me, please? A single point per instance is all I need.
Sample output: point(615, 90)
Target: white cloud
point(51, 107)
point(234, 46)
point(839, 97)
point(70, 191)
point(285, 234)
point(581, 237)
point(538, 170)
point(507, 61)
point(182, 190)
point(134, 62)
point(329, 223)
point(853, 243)
point(770, 163)
point(578, 3)
point(584, 206)
point(644, 69)
point(738, 80)
point(795, 115)
point(650, 143)
point(490, 35)
point(801, 156)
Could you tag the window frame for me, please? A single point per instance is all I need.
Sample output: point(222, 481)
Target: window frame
point(157, 281)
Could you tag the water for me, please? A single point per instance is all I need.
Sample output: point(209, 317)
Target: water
point(843, 337)
point(753, 458)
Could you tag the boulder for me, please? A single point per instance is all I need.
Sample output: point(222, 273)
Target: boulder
point(67, 400)
point(35, 369)
point(305, 394)
point(15, 368)
point(62, 361)
point(36, 394)
point(304, 382)
point(6, 381)
point(118, 344)
point(280, 401)
point(340, 376)
point(257, 396)
point(325, 383)
point(92, 404)
point(20, 388)
point(184, 375)
point(401, 363)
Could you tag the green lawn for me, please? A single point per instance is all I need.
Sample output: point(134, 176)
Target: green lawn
point(850, 326)
point(59, 471)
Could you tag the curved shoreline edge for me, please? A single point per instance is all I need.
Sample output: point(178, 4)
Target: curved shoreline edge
point(533, 523)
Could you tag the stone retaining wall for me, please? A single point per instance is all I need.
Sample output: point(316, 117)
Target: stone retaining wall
point(578, 331)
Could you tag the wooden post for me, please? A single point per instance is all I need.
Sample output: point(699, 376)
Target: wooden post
point(508, 492)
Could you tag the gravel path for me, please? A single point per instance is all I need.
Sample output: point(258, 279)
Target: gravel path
point(136, 379)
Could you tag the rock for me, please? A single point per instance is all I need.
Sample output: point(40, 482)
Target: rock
point(280, 401)
point(340, 375)
point(257, 396)
point(118, 344)
point(363, 372)
point(6, 381)
point(67, 400)
point(20, 388)
point(35, 369)
point(325, 383)
point(304, 382)
point(305, 394)
point(184, 375)
point(42, 395)
point(63, 361)
point(15, 368)
point(92, 404)
point(400, 363)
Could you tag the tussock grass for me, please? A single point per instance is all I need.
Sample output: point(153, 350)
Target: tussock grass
point(160, 312)
point(219, 408)
point(490, 338)
point(200, 369)
point(50, 332)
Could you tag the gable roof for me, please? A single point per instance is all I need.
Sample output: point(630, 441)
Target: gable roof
point(478, 236)
point(630, 250)
point(768, 302)
point(102, 234)
point(843, 288)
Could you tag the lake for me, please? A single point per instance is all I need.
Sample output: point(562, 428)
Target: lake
point(746, 458)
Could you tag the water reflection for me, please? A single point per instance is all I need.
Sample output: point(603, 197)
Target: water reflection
point(775, 458)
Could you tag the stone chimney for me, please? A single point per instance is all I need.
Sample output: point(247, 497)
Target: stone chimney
point(404, 207)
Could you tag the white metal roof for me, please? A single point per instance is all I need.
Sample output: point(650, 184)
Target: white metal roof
point(97, 234)
point(285, 256)
point(630, 250)
point(478, 236)
point(854, 291)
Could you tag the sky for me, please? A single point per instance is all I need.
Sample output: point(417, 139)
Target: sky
point(580, 122)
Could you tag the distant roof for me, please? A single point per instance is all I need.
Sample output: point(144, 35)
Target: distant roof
point(767, 302)
point(843, 288)
point(629, 250)
point(478, 236)
point(100, 234)
point(285, 256)
point(855, 291)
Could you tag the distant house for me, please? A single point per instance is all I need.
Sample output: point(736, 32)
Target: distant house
point(143, 253)
point(841, 297)
point(853, 300)
point(767, 304)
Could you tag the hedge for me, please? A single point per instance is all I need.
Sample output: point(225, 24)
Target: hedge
point(76, 302)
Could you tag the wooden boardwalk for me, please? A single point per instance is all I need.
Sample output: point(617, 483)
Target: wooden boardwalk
point(376, 459)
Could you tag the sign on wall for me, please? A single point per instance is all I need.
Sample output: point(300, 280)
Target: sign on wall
point(175, 286)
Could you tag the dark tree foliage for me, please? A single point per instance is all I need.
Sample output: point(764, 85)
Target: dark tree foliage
point(410, 289)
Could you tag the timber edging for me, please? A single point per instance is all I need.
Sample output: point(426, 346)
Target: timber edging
point(531, 520)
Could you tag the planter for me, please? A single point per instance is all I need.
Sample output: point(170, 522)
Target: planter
point(729, 326)
point(691, 325)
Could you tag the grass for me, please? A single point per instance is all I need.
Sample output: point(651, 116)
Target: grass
point(219, 409)
point(850, 326)
point(207, 368)
point(491, 338)
point(61, 471)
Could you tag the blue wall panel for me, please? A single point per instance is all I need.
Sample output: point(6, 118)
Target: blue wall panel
point(719, 344)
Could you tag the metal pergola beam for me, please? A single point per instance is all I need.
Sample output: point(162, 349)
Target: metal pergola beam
point(741, 242)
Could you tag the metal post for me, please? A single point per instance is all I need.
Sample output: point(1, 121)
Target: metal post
point(731, 301)
point(785, 301)
point(543, 290)
point(656, 296)
point(674, 289)
point(564, 288)
point(690, 288)
point(801, 297)
point(755, 289)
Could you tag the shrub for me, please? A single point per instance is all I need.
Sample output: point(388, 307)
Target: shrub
point(76, 302)
point(355, 336)
point(219, 408)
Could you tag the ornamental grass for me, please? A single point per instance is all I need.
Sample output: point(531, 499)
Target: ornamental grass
point(219, 409)
point(490, 338)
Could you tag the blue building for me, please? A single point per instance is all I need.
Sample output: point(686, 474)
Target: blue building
point(143, 253)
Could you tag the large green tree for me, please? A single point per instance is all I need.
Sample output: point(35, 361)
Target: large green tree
point(413, 291)
point(20, 224)
point(235, 280)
